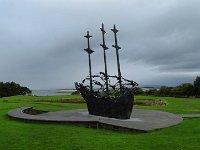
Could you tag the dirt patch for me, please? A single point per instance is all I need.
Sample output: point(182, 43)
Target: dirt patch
point(32, 111)
point(157, 102)
point(63, 101)
point(146, 102)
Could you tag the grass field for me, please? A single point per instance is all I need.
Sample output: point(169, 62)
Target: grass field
point(26, 135)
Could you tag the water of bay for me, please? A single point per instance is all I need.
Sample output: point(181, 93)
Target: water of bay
point(53, 92)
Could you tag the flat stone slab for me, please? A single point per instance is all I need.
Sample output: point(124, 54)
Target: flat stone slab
point(141, 120)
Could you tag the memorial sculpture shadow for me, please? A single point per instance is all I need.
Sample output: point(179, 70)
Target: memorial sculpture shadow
point(108, 100)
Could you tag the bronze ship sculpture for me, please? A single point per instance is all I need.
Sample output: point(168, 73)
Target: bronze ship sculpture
point(115, 101)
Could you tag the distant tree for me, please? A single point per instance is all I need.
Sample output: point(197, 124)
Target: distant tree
point(185, 89)
point(138, 91)
point(12, 88)
point(164, 91)
point(151, 92)
point(197, 86)
point(25, 90)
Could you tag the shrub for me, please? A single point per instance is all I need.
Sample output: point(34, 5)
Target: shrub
point(138, 91)
point(151, 92)
point(75, 93)
point(197, 87)
point(12, 88)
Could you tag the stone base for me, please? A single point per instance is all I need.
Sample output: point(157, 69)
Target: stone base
point(141, 120)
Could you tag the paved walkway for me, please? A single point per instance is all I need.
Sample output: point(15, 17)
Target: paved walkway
point(141, 120)
point(190, 115)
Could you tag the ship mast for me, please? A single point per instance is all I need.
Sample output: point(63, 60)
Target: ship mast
point(117, 54)
point(104, 52)
point(89, 51)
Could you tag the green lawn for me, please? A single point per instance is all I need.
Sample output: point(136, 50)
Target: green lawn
point(175, 105)
point(26, 135)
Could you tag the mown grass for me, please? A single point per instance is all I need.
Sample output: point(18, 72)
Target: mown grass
point(26, 135)
point(175, 105)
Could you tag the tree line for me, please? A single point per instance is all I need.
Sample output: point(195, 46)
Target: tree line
point(12, 88)
point(182, 90)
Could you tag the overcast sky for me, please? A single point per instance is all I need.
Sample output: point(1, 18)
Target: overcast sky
point(42, 41)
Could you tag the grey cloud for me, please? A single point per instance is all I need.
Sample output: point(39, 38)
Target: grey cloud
point(169, 39)
point(41, 41)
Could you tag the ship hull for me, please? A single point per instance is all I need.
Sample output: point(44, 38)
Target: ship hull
point(120, 108)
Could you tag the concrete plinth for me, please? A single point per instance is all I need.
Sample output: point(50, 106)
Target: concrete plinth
point(141, 120)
